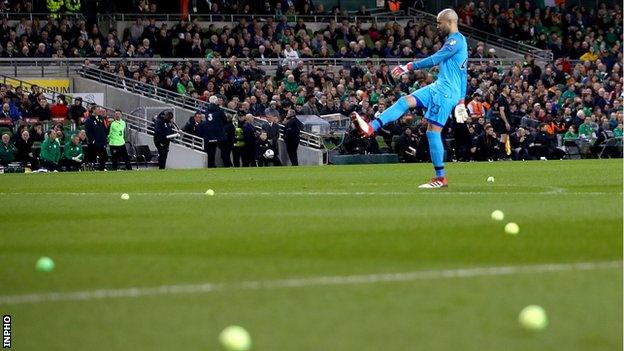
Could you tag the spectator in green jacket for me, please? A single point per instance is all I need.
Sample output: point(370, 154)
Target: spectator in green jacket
point(184, 85)
point(50, 152)
point(290, 84)
point(587, 129)
point(117, 141)
point(571, 134)
point(617, 132)
point(73, 155)
point(7, 150)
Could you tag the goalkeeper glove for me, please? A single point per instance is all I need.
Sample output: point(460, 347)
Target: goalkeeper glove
point(461, 115)
point(398, 71)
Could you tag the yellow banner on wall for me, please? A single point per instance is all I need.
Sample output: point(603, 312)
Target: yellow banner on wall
point(60, 85)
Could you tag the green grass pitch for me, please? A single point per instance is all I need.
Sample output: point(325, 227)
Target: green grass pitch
point(303, 258)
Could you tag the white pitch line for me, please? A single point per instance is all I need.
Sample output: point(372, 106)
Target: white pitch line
point(293, 283)
point(319, 193)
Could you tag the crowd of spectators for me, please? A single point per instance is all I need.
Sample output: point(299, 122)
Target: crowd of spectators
point(577, 32)
point(44, 136)
point(549, 112)
point(556, 99)
point(260, 38)
point(69, 137)
point(545, 108)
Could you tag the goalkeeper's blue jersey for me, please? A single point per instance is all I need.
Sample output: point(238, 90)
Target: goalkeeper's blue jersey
point(453, 61)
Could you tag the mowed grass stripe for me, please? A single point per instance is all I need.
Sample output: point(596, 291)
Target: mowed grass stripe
point(135, 292)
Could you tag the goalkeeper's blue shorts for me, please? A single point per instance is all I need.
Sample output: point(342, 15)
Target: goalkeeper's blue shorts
point(439, 105)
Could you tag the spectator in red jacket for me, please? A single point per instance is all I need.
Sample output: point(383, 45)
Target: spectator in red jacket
point(59, 109)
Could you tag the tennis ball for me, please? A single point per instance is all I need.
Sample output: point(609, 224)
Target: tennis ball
point(45, 264)
point(533, 318)
point(210, 192)
point(498, 215)
point(235, 338)
point(125, 196)
point(512, 228)
point(490, 179)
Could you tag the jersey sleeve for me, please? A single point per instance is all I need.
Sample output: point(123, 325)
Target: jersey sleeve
point(449, 49)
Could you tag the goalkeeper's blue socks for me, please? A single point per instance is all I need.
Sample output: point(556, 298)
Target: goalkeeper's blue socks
point(436, 150)
point(391, 114)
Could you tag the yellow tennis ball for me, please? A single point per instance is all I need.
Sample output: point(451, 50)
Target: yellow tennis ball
point(45, 264)
point(490, 179)
point(210, 192)
point(512, 228)
point(533, 317)
point(498, 215)
point(125, 196)
point(235, 338)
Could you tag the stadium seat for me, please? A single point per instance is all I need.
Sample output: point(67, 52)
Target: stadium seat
point(609, 146)
point(144, 153)
point(383, 147)
point(572, 150)
point(132, 153)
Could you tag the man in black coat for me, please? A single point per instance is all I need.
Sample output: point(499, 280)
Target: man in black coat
point(212, 129)
point(163, 133)
point(273, 131)
point(249, 136)
point(406, 146)
point(97, 133)
point(519, 142)
point(487, 147)
point(192, 126)
point(24, 150)
point(292, 132)
point(77, 111)
point(545, 144)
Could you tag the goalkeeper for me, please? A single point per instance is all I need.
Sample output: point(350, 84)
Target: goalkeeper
point(439, 98)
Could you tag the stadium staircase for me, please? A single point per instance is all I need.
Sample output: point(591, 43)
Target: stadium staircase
point(185, 151)
point(128, 94)
point(505, 46)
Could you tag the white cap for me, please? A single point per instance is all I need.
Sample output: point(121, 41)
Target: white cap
point(213, 99)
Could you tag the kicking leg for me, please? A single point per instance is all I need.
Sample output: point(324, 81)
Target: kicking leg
point(391, 114)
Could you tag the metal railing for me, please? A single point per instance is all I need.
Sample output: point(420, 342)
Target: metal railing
point(140, 88)
point(176, 99)
point(133, 122)
point(40, 66)
point(488, 38)
point(191, 141)
point(18, 16)
point(208, 17)
point(65, 67)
